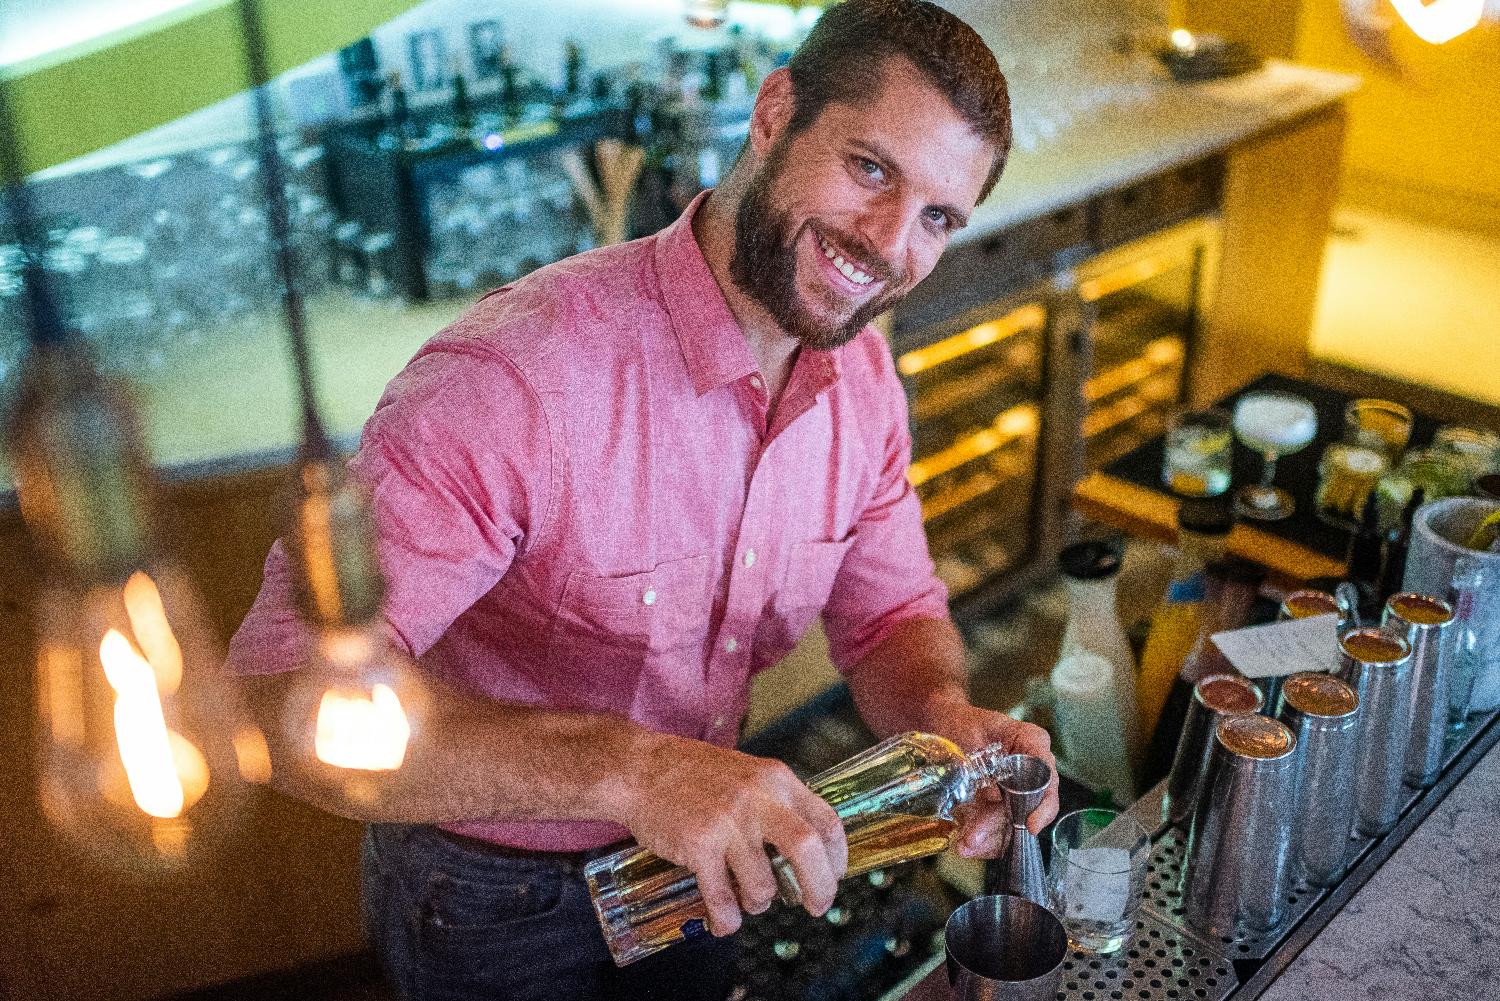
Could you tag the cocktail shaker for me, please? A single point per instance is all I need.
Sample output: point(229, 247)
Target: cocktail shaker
point(1214, 698)
point(1377, 664)
point(1239, 845)
point(1426, 624)
point(1323, 714)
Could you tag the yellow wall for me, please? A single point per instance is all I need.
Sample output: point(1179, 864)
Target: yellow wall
point(1425, 142)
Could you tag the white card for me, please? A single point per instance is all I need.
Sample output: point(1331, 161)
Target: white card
point(1281, 648)
point(1091, 891)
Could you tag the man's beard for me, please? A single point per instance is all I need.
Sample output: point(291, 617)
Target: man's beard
point(764, 266)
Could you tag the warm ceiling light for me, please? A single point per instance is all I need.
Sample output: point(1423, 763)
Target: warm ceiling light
point(1440, 20)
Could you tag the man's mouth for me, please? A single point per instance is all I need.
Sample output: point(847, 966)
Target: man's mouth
point(844, 264)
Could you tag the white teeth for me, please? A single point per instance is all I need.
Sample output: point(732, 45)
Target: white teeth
point(849, 271)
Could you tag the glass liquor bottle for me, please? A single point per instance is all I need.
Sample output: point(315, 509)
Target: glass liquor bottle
point(1203, 529)
point(897, 803)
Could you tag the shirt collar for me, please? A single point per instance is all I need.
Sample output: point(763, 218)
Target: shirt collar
point(713, 345)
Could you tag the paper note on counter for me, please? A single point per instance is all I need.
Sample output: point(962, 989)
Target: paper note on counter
point(1281, 648)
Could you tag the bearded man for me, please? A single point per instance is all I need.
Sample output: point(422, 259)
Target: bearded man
point(615, 490)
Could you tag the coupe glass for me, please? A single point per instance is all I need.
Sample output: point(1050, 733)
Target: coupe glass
point(1273, 424)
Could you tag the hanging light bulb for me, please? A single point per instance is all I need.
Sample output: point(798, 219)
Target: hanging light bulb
point(357, 704)
point(144, 750)
point(1440, 21)
point(706, 14)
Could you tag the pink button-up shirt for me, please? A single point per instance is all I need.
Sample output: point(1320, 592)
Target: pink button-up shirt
point(583, 504)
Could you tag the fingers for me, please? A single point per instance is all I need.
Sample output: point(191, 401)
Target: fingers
point(800, 845)
point(982, 825)
point(828, 827)
point(751, 869)
point(718, 895)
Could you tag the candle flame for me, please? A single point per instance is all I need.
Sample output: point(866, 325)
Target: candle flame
point(1440, 20)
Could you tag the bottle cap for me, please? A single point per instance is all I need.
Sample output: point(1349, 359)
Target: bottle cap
point(1094, 560)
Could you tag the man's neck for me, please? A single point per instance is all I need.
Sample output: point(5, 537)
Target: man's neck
point(774, 350)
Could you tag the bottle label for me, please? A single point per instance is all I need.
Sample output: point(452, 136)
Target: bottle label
point(694, 930)
point(1182, 592)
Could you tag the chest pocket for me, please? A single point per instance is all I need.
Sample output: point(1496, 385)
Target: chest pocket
point(608, 630)
point(812, 568)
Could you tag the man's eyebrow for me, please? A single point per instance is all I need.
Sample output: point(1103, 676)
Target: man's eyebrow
point(959, 216)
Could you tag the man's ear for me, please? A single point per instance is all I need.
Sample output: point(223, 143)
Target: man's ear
point(773, 110)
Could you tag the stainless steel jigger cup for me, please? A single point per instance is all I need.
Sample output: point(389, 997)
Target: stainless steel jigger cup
point(1377, 664)
point(1425, 622)
point(1024, 780)
point(1323, 714)
point(1214, 698)
point(1239, 846)
point(1004, 948)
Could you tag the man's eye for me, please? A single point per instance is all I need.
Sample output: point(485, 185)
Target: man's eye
point(938, 218)
point(869, 168)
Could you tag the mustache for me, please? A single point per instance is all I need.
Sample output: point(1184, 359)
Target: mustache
point(871, 261)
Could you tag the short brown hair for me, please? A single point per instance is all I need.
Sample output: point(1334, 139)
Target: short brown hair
point(845, 55)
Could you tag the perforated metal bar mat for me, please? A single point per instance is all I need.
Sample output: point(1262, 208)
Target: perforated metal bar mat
point(1159, 964)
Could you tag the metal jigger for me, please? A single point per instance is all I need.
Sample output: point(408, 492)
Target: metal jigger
point(1024, 780)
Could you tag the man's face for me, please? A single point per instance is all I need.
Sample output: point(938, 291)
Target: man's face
point(843, 219)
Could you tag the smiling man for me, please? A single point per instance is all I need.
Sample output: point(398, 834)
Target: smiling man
point(614, 491)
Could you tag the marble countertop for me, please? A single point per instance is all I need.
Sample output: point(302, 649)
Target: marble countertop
point(1162, 125)
point(1426, 927)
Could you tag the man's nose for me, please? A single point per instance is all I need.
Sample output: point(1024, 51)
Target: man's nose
point(886, 226)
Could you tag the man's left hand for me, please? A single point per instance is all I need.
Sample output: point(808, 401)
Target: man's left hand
point(983, 825)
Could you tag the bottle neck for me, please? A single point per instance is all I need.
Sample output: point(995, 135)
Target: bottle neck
point(983, 767)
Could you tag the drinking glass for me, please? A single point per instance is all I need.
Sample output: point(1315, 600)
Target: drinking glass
point(1346, 475)
point(1476, 448)
point(1378, 424)
point(1098, 877)
point(1273, 424)
point(1199, 448)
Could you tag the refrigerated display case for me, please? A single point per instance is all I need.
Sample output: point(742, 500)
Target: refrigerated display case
point(1044, 352)
point(1143, 301)
point(976, 398)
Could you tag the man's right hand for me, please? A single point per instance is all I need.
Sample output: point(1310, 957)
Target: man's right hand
point(715, 811)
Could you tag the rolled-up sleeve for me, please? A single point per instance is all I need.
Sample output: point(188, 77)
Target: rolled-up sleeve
point(458, 461)
point(887, 577)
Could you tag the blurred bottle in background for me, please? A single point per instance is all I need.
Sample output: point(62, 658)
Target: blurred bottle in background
point(1203, 528)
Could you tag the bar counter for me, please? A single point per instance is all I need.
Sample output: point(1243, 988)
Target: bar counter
point(1417, 917)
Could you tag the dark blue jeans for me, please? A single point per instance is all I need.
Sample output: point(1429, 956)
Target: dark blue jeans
point(451, 922)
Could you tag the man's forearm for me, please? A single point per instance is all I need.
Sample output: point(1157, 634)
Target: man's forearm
point(477, 759)
point(913, 679)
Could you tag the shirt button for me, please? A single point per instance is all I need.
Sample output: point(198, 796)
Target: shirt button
point(731, 645)
point(749, 557)
point(755, 381)
point(718, 722)
point(649, 597)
